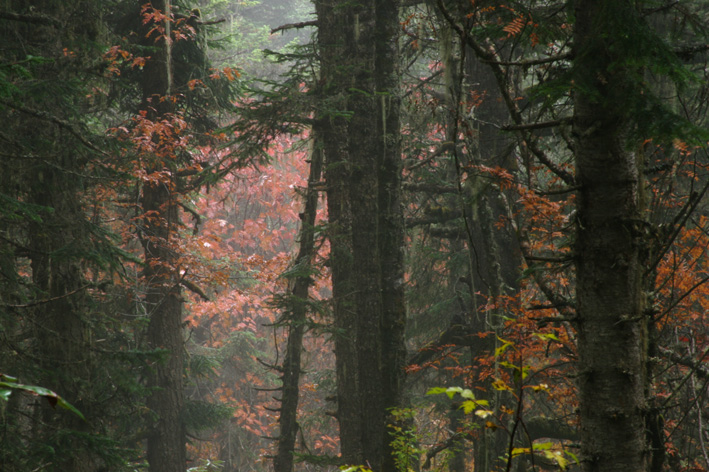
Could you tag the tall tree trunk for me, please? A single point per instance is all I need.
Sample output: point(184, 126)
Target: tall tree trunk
point(332, 105)
point(391, 220)
point(359, 55)
point(363, 152)
point(610, 302)
point(166, 440)
point(297, 311)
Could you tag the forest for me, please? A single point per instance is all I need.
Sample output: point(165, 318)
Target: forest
point(357, 236)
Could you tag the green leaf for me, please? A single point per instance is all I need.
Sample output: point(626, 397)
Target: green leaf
point(542, 446)
point(7, 386)
point(505, 344)
point(547, 337)
point(68, 406)
point(557, 457)
point(525, 371)
point(573, 456)
point(509, 366)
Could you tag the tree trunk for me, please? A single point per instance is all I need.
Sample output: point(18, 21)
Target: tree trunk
point(611, 334)
point(166, 440)
point(391, 220)
point(334, 79)
point(297, 309)
point(359, 55)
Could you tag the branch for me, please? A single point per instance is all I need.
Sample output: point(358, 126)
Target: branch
point(687, 52)
point(43, 115)
point(555, 260)
point(423, 82)
point(37, 19)
point(695, 365)
point(445, 147)
point(455, 335)
point(192, 287)
point(196, 217)
point(558, 191)
point(435, 215)
point(489, 55)
point(303, 24)
point(530, 62)
point(678, 223)
point(211, 22)
point(429, 188)
point(270, 366)
point(539, 125)
point(48, 300)
point(451, 441)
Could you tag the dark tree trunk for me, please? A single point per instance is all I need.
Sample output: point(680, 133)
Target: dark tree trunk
point(610, 301)
point(359, 79)
point(334, 79)
point(391, 221)
point(159, 204)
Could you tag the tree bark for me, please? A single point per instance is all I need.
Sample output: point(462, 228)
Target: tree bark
point(360, 111)
point(391, 217)
point(159, 203)
point(610, 301)
point(331, 108)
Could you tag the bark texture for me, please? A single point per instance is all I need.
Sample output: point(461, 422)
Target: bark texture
point(359, 109)
point(610, 266)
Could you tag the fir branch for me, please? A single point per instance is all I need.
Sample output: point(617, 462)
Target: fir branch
point(43, 115)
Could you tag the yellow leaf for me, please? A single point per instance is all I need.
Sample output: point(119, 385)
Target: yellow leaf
point(520, 450)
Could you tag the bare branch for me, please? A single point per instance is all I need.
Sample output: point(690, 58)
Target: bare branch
point(530, 62)
point(303, 24)
point(538, 125)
